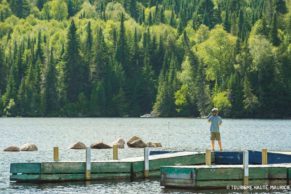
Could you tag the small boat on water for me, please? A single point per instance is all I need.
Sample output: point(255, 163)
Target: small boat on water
point(149, 115)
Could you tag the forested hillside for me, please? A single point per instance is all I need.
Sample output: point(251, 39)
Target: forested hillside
point(131, 57)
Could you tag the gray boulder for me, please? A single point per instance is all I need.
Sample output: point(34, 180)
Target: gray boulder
point(78, 146)
point(12, 149)
point(100, 145)
point(154, 145)
point(136, 142)
point(28, 147)
point(119, 142)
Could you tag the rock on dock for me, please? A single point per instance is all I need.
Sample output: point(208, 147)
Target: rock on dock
point(28, 147)
point(154, 145)
point(136, 142)
point(12, 149)
point(100, 145)
point(79, 145)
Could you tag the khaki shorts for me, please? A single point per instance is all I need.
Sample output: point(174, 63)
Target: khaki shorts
point(215, 136)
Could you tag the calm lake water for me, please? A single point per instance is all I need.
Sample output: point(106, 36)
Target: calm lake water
point(177, 133)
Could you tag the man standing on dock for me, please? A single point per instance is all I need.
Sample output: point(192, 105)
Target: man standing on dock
point(215, 121)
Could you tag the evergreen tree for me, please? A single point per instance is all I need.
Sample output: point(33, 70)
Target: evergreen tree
point(50, 97)
point(11, 88)
point(226, 22)
point(131, 5)
point(167, 85)
point(101, 91)
point(274, 31)
point(40, 4)
point(100, 71)
point(21, 98)
point(150, 19)
point(145, 87)
point(39, 52)
point(236, 95)
point(88, 55)
point(280, 6)
point(98, 100)
point(160, 106)
point(250, 100)
point(206, 10)
point(241, 26)
point(89, 40)
point(172, 19)
point(121, 54)
point(74, 77)
point(2, 73)
point(21, 8)
point(31, 91)
point(74, 6)
point(203, 92)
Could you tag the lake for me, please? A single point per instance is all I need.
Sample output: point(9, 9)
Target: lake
point(176, 133)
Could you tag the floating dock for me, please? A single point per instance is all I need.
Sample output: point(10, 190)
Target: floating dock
point(221, 176)
point(227, 170)
point(125, 169)
point(178, 169)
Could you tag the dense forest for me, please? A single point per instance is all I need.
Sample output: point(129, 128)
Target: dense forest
point(114, 58)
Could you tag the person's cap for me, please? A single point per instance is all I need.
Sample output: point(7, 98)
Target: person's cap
point(214, 110)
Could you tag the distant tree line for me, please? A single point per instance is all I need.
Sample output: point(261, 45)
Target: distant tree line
point(131, 57)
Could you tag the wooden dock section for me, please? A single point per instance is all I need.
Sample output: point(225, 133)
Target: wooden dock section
point(125, 169)
point(221, 176)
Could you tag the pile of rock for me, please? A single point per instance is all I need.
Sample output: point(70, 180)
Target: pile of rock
point(154, 145)
point(29, 147)
point(133, 142)
point(12, 149)
point(100, 145)
point(136, 142)
point(78, 146)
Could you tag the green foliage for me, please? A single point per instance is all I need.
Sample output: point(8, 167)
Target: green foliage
point(21, 8)
point(2, 73)
point(186, 96)
point(58, 10)
point(218, 53)
point(75, 69)
point(131, 57)
point(5, 10)
point(250, 101)
point(222, 102)
point(50, 96)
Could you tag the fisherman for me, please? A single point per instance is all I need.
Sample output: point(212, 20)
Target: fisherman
point(215, 121)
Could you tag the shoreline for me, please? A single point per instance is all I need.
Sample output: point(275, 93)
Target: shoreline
point(85, 117)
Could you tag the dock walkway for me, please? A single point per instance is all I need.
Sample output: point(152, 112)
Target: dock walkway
point(248, 168)
point(221, 176)
point(129, 168)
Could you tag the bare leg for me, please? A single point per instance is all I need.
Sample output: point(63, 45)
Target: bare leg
point(220, 145)
point(212, 145)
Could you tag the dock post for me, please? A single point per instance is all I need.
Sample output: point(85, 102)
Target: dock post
point(88, 164)
point(115, 152)
point(264, 156)
point(246, 167)
point(56, 154)
point(208, 157)
point(146, 162)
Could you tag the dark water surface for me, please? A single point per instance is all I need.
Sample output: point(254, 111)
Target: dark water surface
point(177, 133)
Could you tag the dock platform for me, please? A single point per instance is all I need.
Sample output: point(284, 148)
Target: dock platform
point(231, 169)
point(124, 169)
point(221, 176)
